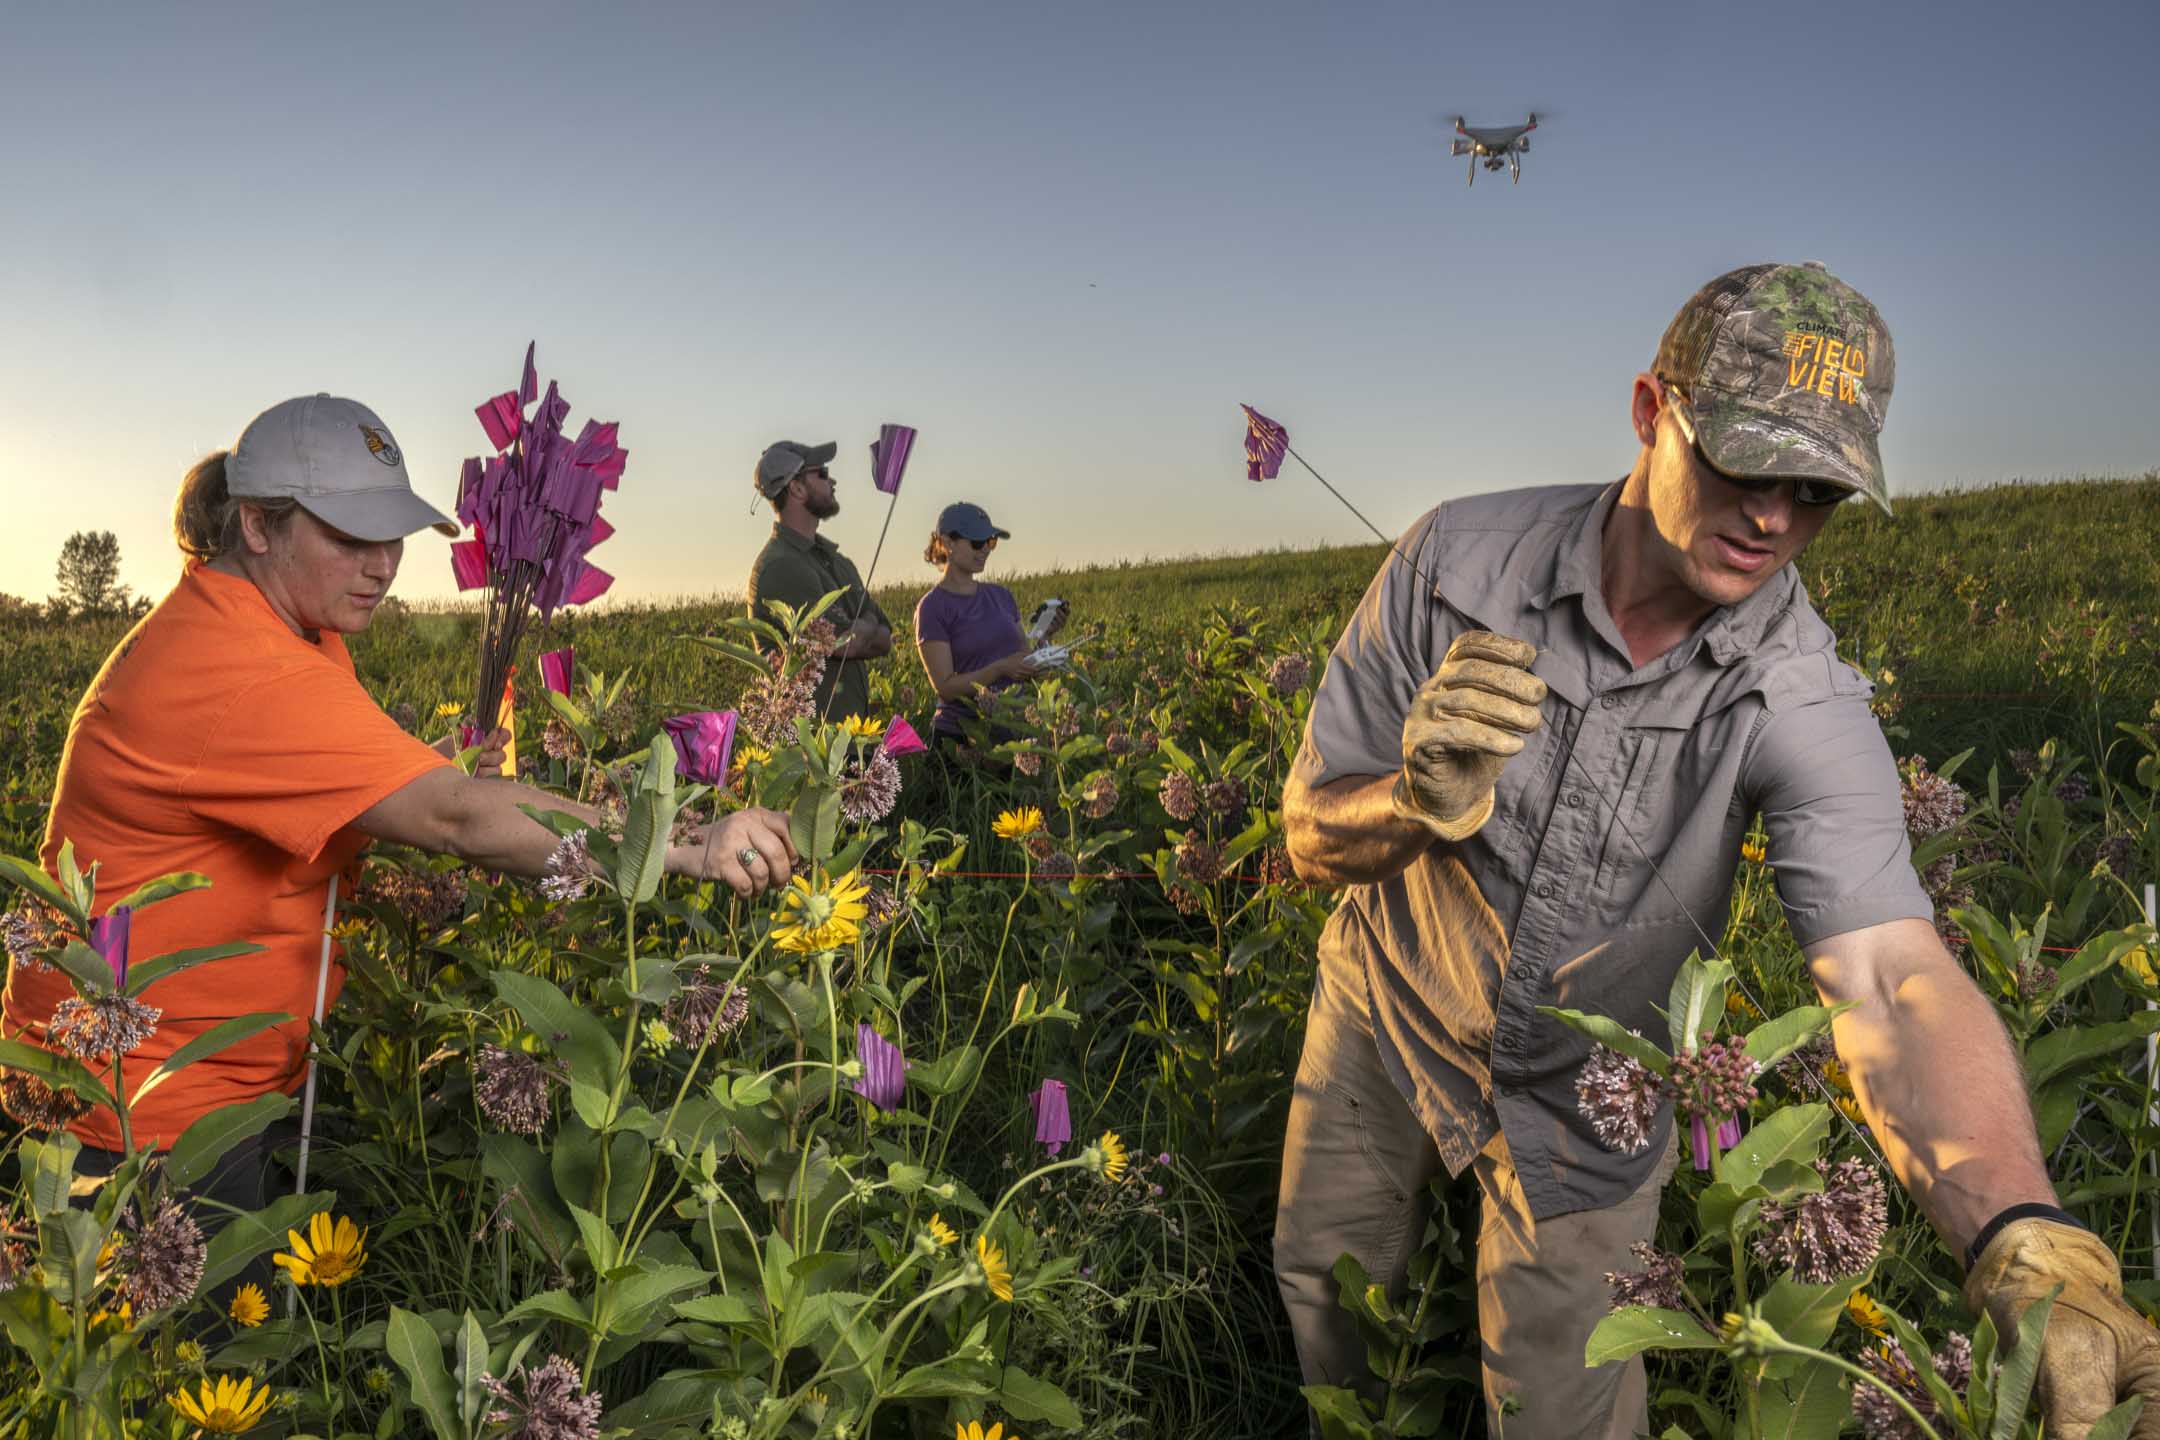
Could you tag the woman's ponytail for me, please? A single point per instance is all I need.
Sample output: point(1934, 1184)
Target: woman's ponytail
point(203, 509)
point(206, 518)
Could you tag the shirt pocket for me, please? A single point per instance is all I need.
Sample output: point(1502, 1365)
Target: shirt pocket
point(1643, 816)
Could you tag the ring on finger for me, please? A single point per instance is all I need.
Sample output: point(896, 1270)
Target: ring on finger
point(748, 856)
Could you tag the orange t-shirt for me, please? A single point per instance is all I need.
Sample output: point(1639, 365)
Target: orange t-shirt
point(216, 739)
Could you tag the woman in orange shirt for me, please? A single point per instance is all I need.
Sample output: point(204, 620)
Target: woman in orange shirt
point(228, 734)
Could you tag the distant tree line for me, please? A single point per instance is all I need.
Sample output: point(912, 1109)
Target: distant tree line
point(87, 584)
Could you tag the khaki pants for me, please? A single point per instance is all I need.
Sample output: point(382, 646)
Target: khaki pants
point(1355, 1166)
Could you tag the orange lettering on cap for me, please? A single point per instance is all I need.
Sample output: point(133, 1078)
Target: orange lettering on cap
point(1855, 360)
point(1846, 389)
point(1795, 343)
point(1799, 374)
point(1832, 349)
point(1822, 382)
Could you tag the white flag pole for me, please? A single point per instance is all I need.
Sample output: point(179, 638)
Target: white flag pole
point(322, 989)
point(2152, 1058)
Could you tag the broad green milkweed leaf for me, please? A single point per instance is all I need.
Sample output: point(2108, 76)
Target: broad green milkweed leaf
point(1632, 1329)
point(142, 975)
point(221, 1036)
point(1793, 1133)
point(412, 1344)
point(1613, 1035)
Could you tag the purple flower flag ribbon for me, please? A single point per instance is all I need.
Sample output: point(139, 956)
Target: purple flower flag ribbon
point(889, 456)
point(109, 937)
point(1265, 444)
point(556, 667)
point(704, 743)
point(901, 739)
point(884, 1077)
point(1053, 1117)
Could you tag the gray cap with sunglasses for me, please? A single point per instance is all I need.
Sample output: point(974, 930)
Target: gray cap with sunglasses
point(1785, 371)
point(783, 460)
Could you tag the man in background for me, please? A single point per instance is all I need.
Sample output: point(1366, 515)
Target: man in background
point(798, 567)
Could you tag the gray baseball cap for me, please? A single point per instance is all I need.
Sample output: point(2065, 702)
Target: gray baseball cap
point(783, 460)
point(336, 458)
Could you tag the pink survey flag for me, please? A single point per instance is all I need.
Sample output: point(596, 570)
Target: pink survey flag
point(1265, 444)
point(468, 562)
point(555, 670)
point(1053, 1117)
point(704, 743)
point(109, 937)
point(889, 456)
point(884, 1077)
point(901, 739)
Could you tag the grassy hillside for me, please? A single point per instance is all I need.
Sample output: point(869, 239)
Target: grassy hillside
point(2005, 614)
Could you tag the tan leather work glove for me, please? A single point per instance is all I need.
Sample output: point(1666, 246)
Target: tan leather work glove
point(2098, 1351)
point(1463, 725)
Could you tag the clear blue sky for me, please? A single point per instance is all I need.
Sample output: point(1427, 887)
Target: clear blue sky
point(1063, 241)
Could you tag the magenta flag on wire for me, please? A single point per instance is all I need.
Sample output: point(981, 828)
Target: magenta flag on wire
point(556, 667)
point(1053, 1116)
point(109, 937)
point(901, 739)
point(884, 1077)
point(704, 743)
point(1265, 444)
point(889, 456)
point(468, 562)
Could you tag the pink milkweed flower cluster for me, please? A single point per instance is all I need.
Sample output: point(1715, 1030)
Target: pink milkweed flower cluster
point(1829, 1236)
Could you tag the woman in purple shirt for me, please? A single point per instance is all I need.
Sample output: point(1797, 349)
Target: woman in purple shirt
point(968, 631)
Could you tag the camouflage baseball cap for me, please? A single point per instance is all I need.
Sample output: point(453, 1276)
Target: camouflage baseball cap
point(1788, 371)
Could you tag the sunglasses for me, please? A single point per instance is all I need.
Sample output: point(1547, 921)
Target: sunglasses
point(989, 544)
point(1805, 491)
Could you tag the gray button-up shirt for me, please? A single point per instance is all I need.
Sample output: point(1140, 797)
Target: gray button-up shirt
point(1554, 901)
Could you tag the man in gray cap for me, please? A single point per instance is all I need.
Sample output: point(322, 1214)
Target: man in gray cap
point(1533, 758)
point(798, 566)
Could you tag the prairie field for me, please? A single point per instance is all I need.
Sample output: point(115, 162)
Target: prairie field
point(702, 1207)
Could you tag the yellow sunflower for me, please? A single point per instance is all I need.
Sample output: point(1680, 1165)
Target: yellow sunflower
point(227, 1407)
point(1851, 1110)
point(995, 1275)
point(2139, 962)
point(943, 1233)
point(1866, 1314)
point(814, 918)
point(331, 1255)
point(249, 1308)
point(973, 1430)
point(1834, 1071)
point(1754, 851)
point(1109, 1159)
point(1018, 824)
point(449, 708)
point(747, 754)
point(1738, 1005)
point(863, 728)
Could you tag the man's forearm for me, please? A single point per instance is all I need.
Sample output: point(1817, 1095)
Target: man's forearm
point(1935, 1075)
point(1347, 832)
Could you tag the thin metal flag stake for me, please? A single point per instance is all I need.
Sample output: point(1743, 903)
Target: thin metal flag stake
point(891, 504)
point(1822, 1086)
point(890, 451)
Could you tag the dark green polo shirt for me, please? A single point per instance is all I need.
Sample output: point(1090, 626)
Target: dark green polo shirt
point(799, 572)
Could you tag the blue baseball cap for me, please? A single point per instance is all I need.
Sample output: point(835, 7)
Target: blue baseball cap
point(969, 521)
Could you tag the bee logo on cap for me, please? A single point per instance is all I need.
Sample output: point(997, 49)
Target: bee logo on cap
point(379, 445)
